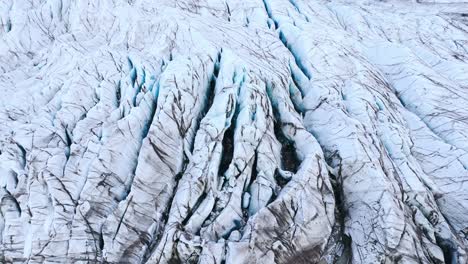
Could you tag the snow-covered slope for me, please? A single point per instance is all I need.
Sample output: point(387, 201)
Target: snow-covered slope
point(229, 131)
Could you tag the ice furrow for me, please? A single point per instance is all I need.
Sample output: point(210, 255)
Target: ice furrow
point(317, 98)
point(162, 151)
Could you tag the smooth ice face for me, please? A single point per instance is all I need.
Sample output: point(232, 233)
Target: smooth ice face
point(227, 131)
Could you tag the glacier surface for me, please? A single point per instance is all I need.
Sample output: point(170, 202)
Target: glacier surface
point(229, 131)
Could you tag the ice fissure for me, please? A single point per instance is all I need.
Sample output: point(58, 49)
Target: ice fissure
point(225, 131)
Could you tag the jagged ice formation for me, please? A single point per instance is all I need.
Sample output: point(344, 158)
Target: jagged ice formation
point(229, 131)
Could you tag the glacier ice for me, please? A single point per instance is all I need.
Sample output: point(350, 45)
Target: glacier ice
point(228, 131)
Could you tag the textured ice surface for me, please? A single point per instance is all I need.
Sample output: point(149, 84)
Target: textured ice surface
point(229, 131)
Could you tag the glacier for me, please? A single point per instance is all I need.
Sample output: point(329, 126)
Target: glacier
point(229, 131)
